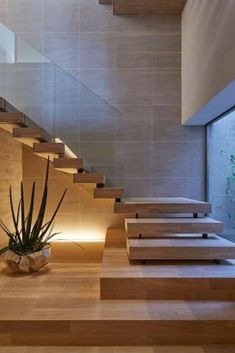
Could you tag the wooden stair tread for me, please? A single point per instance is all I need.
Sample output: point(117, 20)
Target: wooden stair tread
point(142, 7)
point(162, 205)
point(212, 241)
point(47, 148)
point(213, 248)
point(10, 120)
point(108, 193)
point(68, 165)
point(93, 178)
point(29, 135)
point(153, 226)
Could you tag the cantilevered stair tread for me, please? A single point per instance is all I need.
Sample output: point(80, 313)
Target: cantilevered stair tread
point(49, 149)
point(93, 178)
point(108, 193)
point(212, 248)
point(9, 120)
point(29, 135)
point(172, 225)
point(161, 205)
point(68, 165)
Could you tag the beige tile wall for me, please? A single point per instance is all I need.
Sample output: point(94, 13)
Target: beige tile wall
point(134, 63)
point(10, 175)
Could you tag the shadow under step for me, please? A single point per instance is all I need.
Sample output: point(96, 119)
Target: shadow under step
point(152, 226)
point(108, 193)
point(161, 205)
point(214, 248)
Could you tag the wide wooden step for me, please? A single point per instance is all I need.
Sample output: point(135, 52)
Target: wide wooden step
point(161, 280)
point(156, 226)
point(108, 193)
point(213, 248)
point(96, 178)
point(46, 149)
point(9, 120)
point(68, 165)
point(161, 205)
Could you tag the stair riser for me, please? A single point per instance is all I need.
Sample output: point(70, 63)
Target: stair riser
point(146, 229)
point(167, 288)
point(119, 333)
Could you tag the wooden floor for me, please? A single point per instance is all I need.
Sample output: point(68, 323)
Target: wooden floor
point(115, 349)
point(61, 306)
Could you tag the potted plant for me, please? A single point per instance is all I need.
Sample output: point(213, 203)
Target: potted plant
point(28, 247)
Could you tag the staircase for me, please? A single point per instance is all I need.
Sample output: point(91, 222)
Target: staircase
point(44, 145)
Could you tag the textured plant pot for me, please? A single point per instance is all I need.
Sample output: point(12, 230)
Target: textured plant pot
point(27, 263)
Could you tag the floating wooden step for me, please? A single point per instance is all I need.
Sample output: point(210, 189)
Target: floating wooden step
point(9, 120)
point(68, 165)
point(161, 205)
point(96, 178)
point(140, 7)
point(214, 248)
point(29, 136)
point(50, 149)
point(154, 226)
point(108, 193)
point(164, 280)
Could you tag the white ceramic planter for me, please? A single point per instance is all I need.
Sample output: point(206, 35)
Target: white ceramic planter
point(27, 263)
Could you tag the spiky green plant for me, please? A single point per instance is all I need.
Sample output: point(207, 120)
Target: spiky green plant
point(30, 236)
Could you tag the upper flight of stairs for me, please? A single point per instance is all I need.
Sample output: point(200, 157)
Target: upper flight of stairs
point(26, 131)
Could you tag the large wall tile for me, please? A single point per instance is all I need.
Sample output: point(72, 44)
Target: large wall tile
point(171, 187)
point(95, 17)
point(167, 123)
point(61, 15)
point(167, 42)
point(100, 81)
point(135, 123)
point(97, 50)
point(133, 159)
point(197, 159)
point(135, 187)
point(63, 48)
point(3, 11)
point(134, 50)
point(166, 88)
point(170, 159)
point(25, 15)
point(134, 23)
point(134, 87)
point(166, 23)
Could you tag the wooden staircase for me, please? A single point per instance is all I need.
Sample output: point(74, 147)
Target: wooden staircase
point(144, 263)
point(44, 145)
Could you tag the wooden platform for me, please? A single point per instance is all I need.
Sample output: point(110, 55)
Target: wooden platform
point(108, 193)
point(152, 206)
point(93, 178)
point(153, 226)
point(116, 349)
point(187, 280)
point(61, 307)
point(213, 248)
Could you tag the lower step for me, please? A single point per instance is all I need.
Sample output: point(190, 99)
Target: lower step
point(122, 323)
point(93, 178)
point(161, 280)
point(108, 193)
point(213, 248)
